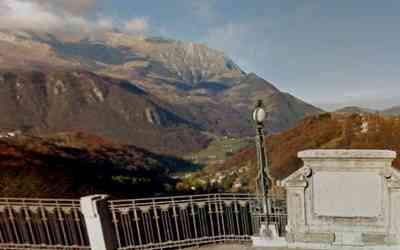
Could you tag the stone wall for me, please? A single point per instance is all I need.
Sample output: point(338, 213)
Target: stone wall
point(344, 198)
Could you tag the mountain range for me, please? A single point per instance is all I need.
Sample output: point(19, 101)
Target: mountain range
point(161, 94)
point(393, 111)
point(101, 115)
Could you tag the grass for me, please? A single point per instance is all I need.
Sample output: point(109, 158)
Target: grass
point(219, 150)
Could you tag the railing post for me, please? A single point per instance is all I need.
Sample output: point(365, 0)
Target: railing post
point(98, 222)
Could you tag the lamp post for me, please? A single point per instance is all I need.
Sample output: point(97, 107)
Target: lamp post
point(259, 116)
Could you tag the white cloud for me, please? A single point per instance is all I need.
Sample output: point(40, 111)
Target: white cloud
point(138, 25)
point(62, 17)
point(23, 14)
point(76, 7)
point(105, 23)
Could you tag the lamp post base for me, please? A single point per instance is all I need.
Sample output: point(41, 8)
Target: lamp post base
point(269, 237)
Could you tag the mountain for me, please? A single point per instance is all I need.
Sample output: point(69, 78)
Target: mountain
point(59, 100)
point(355, 110)
point(324, 131)
point(393, 111)
point(157, 93)
point(76, 164)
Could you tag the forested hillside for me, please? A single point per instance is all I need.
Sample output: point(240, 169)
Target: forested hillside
point(324, 131)
point(71, 165)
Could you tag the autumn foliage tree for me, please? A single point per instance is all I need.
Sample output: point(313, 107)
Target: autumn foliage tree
point(324, 131)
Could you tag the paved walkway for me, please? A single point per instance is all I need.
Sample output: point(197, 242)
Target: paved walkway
point(239, 247)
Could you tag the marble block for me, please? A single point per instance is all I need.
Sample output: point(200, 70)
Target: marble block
point(347, 194)
point(344, 199)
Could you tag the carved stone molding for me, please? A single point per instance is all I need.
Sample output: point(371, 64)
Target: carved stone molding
point(307, 172)
point(344, 197)
point(298, 178)
point(393, 178)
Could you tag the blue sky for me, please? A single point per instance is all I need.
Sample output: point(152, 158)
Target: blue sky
point(341, 52)
point(322, 51)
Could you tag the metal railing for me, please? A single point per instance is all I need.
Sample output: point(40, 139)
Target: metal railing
point(277, 214)
point(154, 223)
point(182, 221)
point(42, 224)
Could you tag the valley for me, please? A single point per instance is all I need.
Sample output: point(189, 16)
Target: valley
point(168, 99)
point(187, 124)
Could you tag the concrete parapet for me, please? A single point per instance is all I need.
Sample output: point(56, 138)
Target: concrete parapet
point(344, 199)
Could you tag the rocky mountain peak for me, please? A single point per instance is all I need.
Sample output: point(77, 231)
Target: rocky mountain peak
point(189, 62)
point(150, 91)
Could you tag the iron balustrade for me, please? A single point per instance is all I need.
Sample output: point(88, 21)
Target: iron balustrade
point(277, 213)
point(182, 221)
point(41, 224)
point(151, 223)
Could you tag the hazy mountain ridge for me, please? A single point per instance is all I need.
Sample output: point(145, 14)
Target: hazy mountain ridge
point(393, 111)
point(355, 109)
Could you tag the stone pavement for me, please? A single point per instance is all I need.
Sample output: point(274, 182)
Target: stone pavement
point(239, 247)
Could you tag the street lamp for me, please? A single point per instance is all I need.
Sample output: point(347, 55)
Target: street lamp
point(259, 116)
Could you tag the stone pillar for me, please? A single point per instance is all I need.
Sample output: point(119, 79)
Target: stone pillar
point(295, 203)
point(393, 180)
point(98, 222)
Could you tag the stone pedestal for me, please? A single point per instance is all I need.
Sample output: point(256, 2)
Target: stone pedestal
point(344, 199)
point(98, 222)
point(269, 237)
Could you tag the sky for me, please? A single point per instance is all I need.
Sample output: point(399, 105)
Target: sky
point(329, 53)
